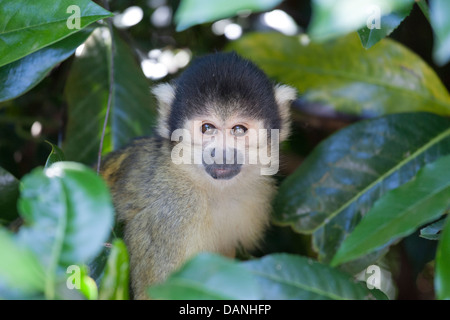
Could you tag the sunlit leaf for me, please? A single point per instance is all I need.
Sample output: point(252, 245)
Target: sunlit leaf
point(331, 19)
point(68, 216)
point(439, 16)
point(19, 267)
point(370, 35)
point(27, 26)
point(343, 76)
point(114, 285)
point(21, 75)
point(192, 12)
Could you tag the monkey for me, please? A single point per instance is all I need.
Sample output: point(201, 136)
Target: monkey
point(173, 207)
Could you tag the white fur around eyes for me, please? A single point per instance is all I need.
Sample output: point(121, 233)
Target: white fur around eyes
point(165, 94)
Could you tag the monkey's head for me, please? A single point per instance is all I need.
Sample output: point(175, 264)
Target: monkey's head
point(225, 117)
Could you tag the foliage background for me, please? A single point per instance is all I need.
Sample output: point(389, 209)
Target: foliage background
point(68, 108)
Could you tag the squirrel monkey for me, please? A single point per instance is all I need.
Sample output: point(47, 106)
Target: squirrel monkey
point(200, 184)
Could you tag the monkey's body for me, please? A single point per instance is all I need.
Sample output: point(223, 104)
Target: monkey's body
point(166, 223)
point(173, 211)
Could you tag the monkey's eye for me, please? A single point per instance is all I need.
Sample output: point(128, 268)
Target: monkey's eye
point(238, 130)
point(208, 128)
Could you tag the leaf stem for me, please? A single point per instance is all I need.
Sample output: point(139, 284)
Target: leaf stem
point(111, 88)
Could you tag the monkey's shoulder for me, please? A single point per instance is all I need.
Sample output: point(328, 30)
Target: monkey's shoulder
point(137, 175)
point(141, 154)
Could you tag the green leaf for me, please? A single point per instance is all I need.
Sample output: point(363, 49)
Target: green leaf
point(133, 108)
point(400, 212)
point(55, 155)
point(331, 19)
point(423, 6)
point(68, 214)
point(22, 75)
point(19, 267)
point(277, 276)
point(208, 276)
point(442, 277)
point(388, 23)
point(9, 193)
point(345, 174)
point(192, 12)
point(440, 22)
point(342, 75)
point(28, 26)
point(284, 276)
point(88, 287)
point(431, 232)
point(114, 285)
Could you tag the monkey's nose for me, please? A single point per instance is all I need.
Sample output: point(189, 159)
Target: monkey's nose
point(222, 169)
point(229, 156)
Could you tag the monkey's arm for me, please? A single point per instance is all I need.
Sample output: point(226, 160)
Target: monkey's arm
point(160, 211)
point(155, 250)
point(162, 236)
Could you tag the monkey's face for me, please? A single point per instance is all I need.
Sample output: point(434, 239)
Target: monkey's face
point(224, 145)
point(220, 158)
point(224, 148)
point(226, 119)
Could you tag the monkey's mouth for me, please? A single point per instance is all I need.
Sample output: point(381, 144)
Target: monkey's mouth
point(223, 172)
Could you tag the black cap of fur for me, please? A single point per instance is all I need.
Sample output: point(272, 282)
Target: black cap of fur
point(228, 84)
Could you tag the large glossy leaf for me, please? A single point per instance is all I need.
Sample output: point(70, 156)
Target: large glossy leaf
point(283, 276)
point(9, 193)
point(19, 267)
point(331, 18)
point(344, 76)
point(277, 276)
point(132, 111)
point(442, 277)
point(370, 35)
point(400, 212)
point(439, 16)
point(21, 75)
point(27, 26)
point(192, 12)
point(68, 214)
point(208, 276)
point(114, 285)
point(343, 177)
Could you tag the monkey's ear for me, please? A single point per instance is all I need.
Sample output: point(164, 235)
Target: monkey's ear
point(284, 95)
point(165, 94)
